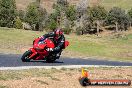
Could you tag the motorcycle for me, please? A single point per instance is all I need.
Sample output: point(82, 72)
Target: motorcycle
point(39, 51)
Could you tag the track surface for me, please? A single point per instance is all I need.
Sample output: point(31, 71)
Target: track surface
point(12, 60)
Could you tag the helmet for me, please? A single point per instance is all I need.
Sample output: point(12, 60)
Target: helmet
point(58, 33)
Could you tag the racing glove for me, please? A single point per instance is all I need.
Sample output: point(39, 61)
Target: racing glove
point(42, 38)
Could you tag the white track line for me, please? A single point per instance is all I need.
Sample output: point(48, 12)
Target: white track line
point(59, 67)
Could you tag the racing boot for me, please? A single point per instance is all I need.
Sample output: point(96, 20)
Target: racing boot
point(58, 55)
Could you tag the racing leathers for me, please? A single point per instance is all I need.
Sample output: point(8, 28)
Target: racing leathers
point(59, 43)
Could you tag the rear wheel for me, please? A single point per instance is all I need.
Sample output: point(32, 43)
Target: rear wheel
point(26, 55)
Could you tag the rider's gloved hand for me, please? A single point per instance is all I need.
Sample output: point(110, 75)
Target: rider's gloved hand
point(42, 38)
point(49, 49)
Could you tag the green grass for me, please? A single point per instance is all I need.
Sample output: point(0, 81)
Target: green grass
point(124, 4)
point(107, 47)
point(20, 74)
point(111, 48)
point(1, 86)
point(13, 40)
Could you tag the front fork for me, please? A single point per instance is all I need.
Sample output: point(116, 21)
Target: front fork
point(34, 52)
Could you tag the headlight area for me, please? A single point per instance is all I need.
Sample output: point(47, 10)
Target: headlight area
point(37, 48)
point(41, 42)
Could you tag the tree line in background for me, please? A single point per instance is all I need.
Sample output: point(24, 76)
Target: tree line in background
point(80, 19)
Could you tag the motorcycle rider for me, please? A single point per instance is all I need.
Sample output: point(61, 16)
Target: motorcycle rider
point(58, 39)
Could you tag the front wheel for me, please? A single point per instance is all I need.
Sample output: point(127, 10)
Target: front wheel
point(26, 55)
point(51, 58)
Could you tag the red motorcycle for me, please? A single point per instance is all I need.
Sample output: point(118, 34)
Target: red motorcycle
point(40, 51)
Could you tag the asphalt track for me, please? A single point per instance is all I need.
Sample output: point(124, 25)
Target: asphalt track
point(12, 60)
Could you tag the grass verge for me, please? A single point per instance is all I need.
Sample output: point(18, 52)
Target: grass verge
point(124, 4)
point(54, 78)
point(111, 47)
point(17, 75)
